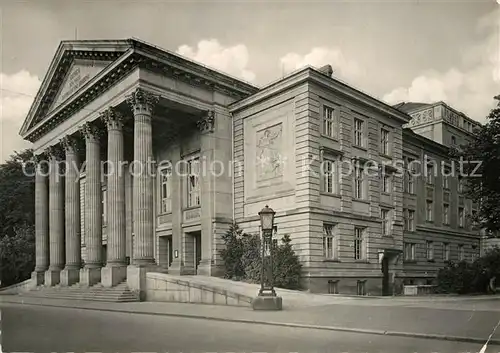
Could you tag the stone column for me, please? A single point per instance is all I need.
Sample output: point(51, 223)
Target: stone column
point(116, 268)
point(56, 216)
point(41, 221)
point(207, 147)
point(142, 104)
point(177, 267)
point(71, 273)
point(91, 273)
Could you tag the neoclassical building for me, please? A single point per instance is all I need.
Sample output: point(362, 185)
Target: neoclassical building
point(146, 159)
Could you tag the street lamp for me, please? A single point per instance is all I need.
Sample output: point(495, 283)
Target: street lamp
point(267, 298)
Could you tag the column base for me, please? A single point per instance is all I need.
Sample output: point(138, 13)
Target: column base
point(208, 268)
point(113, 275)
point(37, 278)
point(136, 278)
point(262, 302)
point(70, 276)
point(52, 277)
point(177, 268)
point(90, 276)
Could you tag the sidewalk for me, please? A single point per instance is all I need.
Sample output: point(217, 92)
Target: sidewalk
point(470, 325)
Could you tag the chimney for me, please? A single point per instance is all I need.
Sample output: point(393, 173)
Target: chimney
point(326, 70)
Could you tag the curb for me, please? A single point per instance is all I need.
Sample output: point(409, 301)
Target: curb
point(282, 324)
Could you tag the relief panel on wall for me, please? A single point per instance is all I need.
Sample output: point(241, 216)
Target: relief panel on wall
point(269, 158)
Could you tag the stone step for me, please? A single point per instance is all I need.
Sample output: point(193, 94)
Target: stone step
point(119, 293)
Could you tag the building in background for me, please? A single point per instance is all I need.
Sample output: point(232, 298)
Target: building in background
point(329, 159)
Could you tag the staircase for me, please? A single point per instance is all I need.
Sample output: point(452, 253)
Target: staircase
point(118, 294)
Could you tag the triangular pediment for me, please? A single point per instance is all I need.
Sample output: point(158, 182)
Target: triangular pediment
point(74, 65)
point(80, 72)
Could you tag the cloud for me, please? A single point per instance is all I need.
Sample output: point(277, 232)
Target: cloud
point(232, 60)
point(16, 95)
point(470, 88)
point(348, 70)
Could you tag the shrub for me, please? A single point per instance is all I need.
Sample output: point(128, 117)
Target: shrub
point(232, 253)
point(467, 278)
point(287, 267)
point(243, 259)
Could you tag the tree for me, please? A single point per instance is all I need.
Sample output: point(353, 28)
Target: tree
point(17, 189)
point(17, 255)
point(479, 161)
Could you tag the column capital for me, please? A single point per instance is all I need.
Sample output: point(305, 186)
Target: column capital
point(142, 101)
point(207, 123)
point(55, 152)
point(70, 144)
point(38, 158)
point(112, 118)
point(91, 132)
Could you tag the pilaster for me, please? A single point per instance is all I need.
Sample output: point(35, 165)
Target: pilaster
point(71, 273)
point(177, 266)
point(91, 273)
point(207, 149)
point(56, 215)
point(115, 270)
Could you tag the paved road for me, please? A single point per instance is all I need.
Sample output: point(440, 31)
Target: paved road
point(45, 329)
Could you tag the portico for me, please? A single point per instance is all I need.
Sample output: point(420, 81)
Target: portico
point(110, 115)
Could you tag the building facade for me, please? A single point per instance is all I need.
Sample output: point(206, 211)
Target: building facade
point(146, 159)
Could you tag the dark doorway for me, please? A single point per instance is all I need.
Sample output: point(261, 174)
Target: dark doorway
point(386, 288)
point(170, 251)
point(104, 254)
point(197, 249)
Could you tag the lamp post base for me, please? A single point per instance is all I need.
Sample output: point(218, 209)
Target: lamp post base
point(263, 302)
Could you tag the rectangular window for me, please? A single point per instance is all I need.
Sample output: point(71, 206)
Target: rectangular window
point(358, 132)
point(474, 253)
point(429, 211)
point(405, 219)
point(361, 288)
point(330, 124)
point(329, 241)
point(165, 192)
point(386, 224)
point(429, 177)
point(409, 176)
point(359, 243)
point(193, 183)
point(446, 252)
point(411, 220)
point(446, 180)
point(329, 174)
point(384, 141)
point(446, 214)
point(104, 207)
point(409, 251)
point(461, 217)
point(460, 185)
point(358, 182)
point(333, 287)
point(386, 184)
point(430, 250)
point(461, 253)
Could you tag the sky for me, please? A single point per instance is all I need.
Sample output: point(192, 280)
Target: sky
point(399, 50)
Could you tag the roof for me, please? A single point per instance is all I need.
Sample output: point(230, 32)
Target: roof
point(118, 58)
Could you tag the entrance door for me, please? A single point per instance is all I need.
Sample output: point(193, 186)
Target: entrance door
point(386, 288)
point(170, 251)
point(197, 249)
point(104, 254)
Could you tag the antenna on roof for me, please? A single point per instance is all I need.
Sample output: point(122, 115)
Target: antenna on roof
point(76, 33)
